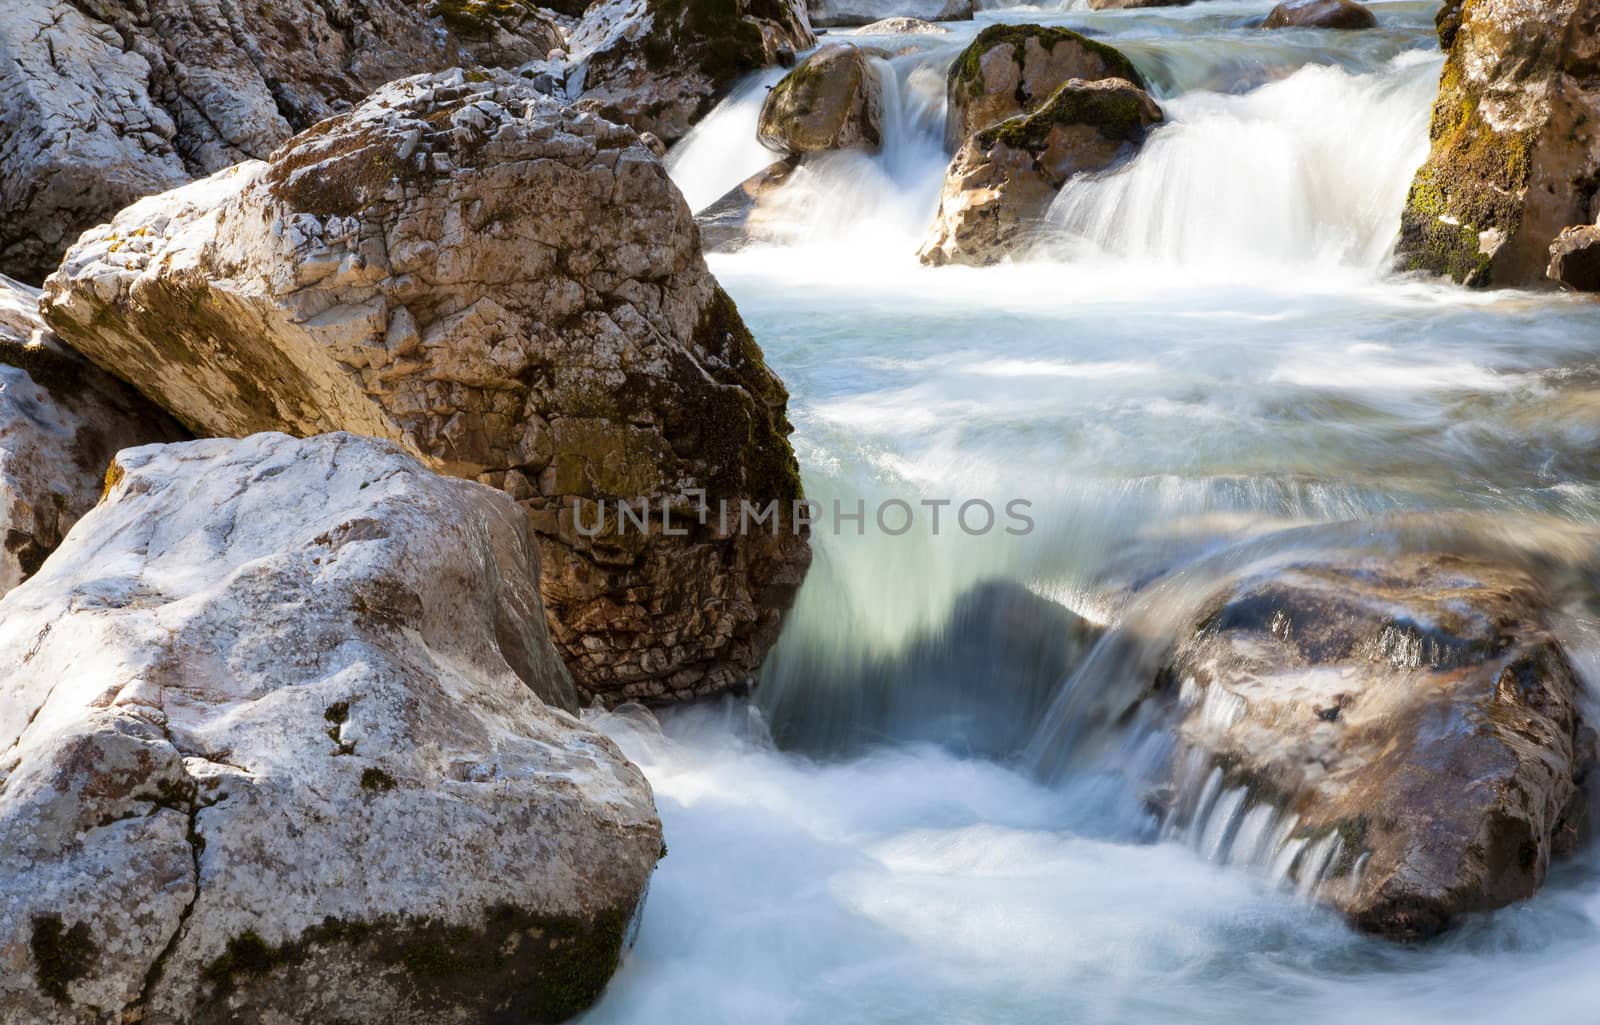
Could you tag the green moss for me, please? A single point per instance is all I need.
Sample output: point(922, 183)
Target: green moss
point(1116, 114)
point(714, 35)
point(478, 19)
point(61, 955)
point(114, 475)
point(375, 780)
point(966, 74)
point(432, 959)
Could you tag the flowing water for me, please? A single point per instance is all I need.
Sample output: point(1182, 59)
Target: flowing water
point(1204, 363)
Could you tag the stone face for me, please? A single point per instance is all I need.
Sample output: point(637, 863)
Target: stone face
point(1575, 259)
point(833, 100)
point(1516, 140)
point(841, 13)
point(276, 752)
point(110, 101)
point(515, 293)
point(1004, 177)
point(1013, 69)
point(661, 65)
point(1414, 719)
point(61, 421)
point(1342, 14)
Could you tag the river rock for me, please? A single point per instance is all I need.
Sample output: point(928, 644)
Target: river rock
point(1125, 5)
point(106, 102)
point(661, 65)
point(901, 27)
point(286, 741)
point(61, 421)
point(1516, 141)
point(514, 292)
point(1004, 177)
point(1575, 259)
point(1013, 69)
point(847, 13)
point(1414, 718)
point(744, 214)
point(832, 100)
point(1341, 14)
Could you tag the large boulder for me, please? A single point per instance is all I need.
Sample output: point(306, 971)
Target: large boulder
point(1010, 70)
point(104, 102)
point(1339, 14)
point(901, 27)
point(1516, 141)
point(514, 292)
point(1575, 259)
point(61, 421)
point(1410, 723)
point(661, 65)
point(287, 742)
point(842, 13)
point(832, 100)
point(1004, 177)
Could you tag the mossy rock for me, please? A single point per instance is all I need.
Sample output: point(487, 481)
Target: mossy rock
point(966, 74)
point(1120, 112)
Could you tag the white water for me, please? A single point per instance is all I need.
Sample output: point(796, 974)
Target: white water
point(1205, 363)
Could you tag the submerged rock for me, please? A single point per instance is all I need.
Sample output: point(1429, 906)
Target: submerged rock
point(661, 65)
point(1341, 14)
point(61, 421)
point(977, 684)
point(1004, 177)
point(1575, 259)
point(512, 291)
point(287, 742)
point(742, 215)
point(832, 100)
point(1013, 69)
point(1516, 140)
point(104, 103)
point(845, 13)
point(1413, 718)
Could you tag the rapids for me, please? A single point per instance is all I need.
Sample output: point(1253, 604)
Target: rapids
point(1206, 363)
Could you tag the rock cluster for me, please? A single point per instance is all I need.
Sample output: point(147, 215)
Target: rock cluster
point(1516, 140)
point(512, 291)
point(284, 740)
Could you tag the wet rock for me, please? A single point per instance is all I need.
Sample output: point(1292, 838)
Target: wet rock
point(1013, 69)
point(1575, 259)
point(1516, 140)
point(1413, 715)
point(286, 741)
point(977, 684)
point(512, 291)
point(743, 215)
point(1448, 22)
point(61, 421)
point(661, 65)
point(1004, 177)
point(1341, 14)
point(846, 13)
point(833, 100)
point(1123, 5)
point(106, 102)
point(901, 27)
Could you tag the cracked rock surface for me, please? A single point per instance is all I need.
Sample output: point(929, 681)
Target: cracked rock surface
point(106, 101)
point(515, 293)
point(61, 421)
point(284, 740)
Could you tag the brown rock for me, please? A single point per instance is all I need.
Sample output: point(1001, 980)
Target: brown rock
point(1004, 177)
point(512, 291)
point(1341, 14)
point(833, 100)
point(1575, 259)
point(740, 216)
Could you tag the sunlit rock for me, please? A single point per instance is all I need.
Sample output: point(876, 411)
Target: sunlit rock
point(61, 421)
point(901, 27)
point(287, 741)
point(832, 100)
point(840, 13)
point(661, 65)
point(514, 292)
point(1413, 721)
point(1013, 69)
point(1004, 177)
point(1516, 141)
